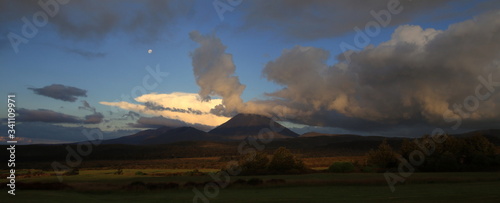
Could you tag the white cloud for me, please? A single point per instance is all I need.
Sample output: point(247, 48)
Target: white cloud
point(176, 100)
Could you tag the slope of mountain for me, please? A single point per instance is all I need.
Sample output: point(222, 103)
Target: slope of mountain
point(138, 137)
point(163, 135)
point(493, 135)
point(316, 134)
point(243, 125)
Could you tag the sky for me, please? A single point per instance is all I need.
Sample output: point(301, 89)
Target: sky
point(382, 67)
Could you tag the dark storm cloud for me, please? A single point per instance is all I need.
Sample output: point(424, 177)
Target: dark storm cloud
point(414, 80)
point(316, 19)
point(94, 20)
point(60, 92)
point(46, 116)
point(160, 121)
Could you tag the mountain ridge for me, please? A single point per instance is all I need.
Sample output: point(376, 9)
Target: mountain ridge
point(236, 128)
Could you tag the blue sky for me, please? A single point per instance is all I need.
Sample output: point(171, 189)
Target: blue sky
point(102, 48)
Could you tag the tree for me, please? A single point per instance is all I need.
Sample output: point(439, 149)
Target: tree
point(254, 165)
point(284, 161)
point(383, 157)
point(479, 145)
point(446, 162)
point(407, 148)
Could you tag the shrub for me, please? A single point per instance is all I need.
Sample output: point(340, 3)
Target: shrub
point(275, 181)
point(369, 169)
point(140, 173)
point(72, 172)
point(284, 162)
point(447, 162)
point(254, 165)
point(194, 172)
point(162, 186)
point(255, 181)
point(384, 157)
point(136, 185)
point(240, 182)
point(118, 172)
point(341, 167)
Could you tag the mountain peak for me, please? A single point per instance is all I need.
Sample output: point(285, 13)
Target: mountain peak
point(243, 125)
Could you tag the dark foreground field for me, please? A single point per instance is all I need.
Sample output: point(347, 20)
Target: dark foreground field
point(103, 186)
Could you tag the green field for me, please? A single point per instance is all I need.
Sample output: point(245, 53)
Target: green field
point(104, 186)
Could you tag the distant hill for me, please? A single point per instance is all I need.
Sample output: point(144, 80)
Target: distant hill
point(164, 135)
point(165, 143)
point(493, 135)
point(316, 134)
point(243, 125)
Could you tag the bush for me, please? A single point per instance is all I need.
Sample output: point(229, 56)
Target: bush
point(162, 186)
point(118, 172)
point(255, 181)
point(140, 173)
point(136, 185)
point(194, 172)
point(275, 181)
point(72, 172)
point(447, 162)
point(284, 162)
point(341, 167)
point(369, 169)
point(254, 165)
point(384, 157)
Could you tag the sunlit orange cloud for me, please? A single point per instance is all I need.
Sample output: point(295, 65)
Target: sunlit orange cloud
point(179, 100)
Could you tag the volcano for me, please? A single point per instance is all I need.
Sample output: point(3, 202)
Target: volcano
point(243, 125)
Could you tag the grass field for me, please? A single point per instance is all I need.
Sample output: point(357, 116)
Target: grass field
point(465, 192)
point(104, 186)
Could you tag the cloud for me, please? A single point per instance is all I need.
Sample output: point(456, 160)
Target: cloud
point(160, 121)
point(131, 115)
point(86, 106)
point(49, 116)
point(146, 21)
point(44, 115)
point(213, 70)
point(408, 81)
point(60, 92)
point(186, 107)
point(157, 107)
point(86, 54)
point(412, 79)
point(317, 19)
point(42, 133)
point(20, 140)
point(93, 118)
